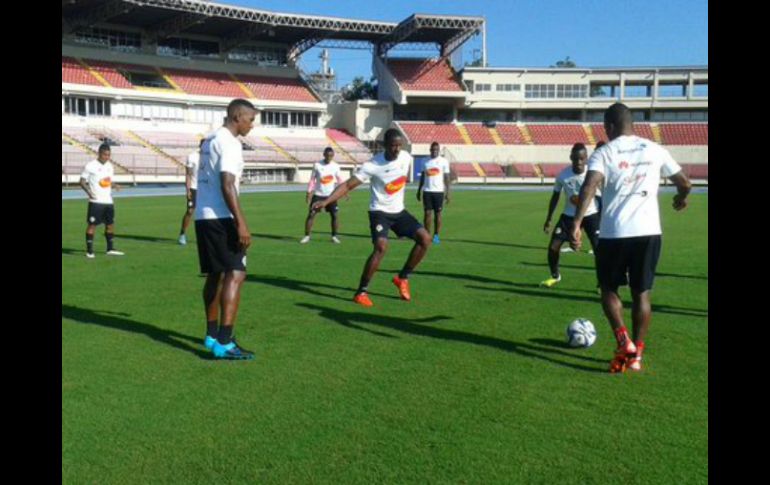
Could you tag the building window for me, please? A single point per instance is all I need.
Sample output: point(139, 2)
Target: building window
point(604, 91)
point(701, 89)
point(87, 106)
point(289, 119)
point(507, 87)
point(179, 47)
point(637, 91)
point(672, 90)
point(261, 55)
point(483, 87)
point(111, 39)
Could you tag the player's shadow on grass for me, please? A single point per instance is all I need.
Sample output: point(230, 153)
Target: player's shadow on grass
point(276, 237)
point(552, 293)
point(592, 269)
point(154, 239)
point(494, 243)
point(308, 287)
point(73, 252)
point(117, 321)
point(410, 326)
point(485, 279)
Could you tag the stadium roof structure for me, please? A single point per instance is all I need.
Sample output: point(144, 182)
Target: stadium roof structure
point(238, 25)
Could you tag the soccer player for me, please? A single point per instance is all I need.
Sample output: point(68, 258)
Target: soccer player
point(323, 181)
point(569, 180)
point(191, 187)
point(96, 180)
point(436, 190)
point(221, 230)
point(628, 168)
point(388, 173)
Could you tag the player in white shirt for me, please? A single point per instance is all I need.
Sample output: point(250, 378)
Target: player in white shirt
point(569, 181)
point(221, 230)
point(388, 173)
point(628, 169)
point(96, 180)
point(323, 181)
point(436, 172)
point(191, 187)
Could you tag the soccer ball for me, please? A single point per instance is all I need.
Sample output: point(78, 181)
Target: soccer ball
point(581, 333)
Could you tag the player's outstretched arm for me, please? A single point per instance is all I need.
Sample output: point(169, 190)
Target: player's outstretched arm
point(340, 191)
point(551, 207)
point(587, 193)
point(230, 194)
point(683, 187)
point(447, 183)
point(422, 182)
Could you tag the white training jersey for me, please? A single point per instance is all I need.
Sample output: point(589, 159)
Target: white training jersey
point(98, 176)
point(388, 180)
point(221, 152)
point(193, 162)
point(632, 167)
point(324, 178)
point(435, 169)
point(571, 182)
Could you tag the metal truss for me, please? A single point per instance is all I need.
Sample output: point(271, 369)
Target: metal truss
point(272, 18)
point(243, 35)
point(467, 26)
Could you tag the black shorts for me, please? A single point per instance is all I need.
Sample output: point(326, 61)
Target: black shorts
point(403, 224)
point(218, 247)
point(433, 201)
point(590, 225)
point(191, 201)
point(628, 261)
point(100, 214)
point(329, 208)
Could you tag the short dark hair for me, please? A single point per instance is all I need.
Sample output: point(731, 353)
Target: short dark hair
point(577, 147)
point(328, 149)
point(600, 144)
point(104, 147)
point(618, 115)
point(237, 105)
point(200, 145)
point(434, 144)
point(390, 134)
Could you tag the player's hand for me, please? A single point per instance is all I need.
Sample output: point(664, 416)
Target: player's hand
point(576, 239)
point(116, 187)
point(680, 202)
point(244, 236)
point(547, 226)
point(189, 196)
point(446, 198)
point(307, 198)
point(318, 206)
point(418, 196)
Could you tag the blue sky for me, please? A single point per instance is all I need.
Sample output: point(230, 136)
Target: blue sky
point(594, 33)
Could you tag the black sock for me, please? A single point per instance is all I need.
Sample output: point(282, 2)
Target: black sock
point(404, 273)
point(109, 237)
point(90, 243)
point(211, 328)
point(553, 263)
point(225, 334)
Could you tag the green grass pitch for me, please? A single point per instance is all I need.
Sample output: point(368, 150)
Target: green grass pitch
point(468, 383)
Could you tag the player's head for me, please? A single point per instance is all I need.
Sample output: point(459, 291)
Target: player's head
point(104, 152)
point(618, 121)
point(328, 154)
point(434, 149)
point(578, 156)
point(393, 141)
point(240, 115)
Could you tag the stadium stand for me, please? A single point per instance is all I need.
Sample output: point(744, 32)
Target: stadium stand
point(510, 134)
point(557, 134)
point(424, 74)
point(429, 132)
point(278, 88)
point(492, 170)
point(685, 133)
point(479, 134)
point(552, 169)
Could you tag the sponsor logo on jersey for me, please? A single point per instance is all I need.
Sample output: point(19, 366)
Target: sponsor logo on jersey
point(105, 182)
point(434, 171)
point(395, 185)
point(623, 165)
point(327, 179)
